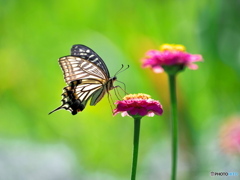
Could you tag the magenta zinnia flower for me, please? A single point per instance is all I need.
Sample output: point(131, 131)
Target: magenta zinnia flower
point(170, 55)
point(230, 136)
point(138, 104)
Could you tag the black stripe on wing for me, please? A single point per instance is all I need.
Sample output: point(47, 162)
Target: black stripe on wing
point(88, 54)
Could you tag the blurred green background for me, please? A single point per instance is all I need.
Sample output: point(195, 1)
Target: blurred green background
point(95, 145)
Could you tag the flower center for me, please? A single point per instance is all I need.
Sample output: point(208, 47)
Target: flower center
point(136, 96)
point(172, 47)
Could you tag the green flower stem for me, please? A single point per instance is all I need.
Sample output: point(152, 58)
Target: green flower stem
point(172, 84)
point(137, 123)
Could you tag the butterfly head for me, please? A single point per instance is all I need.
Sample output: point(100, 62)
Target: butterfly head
point(114, 78)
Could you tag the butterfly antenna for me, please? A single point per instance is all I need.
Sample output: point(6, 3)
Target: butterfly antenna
point(121, 69)
point(124, 90)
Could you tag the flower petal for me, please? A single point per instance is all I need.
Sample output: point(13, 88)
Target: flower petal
point(150, 114)
point(125, 114)
point(192, 66)
point(157, 69)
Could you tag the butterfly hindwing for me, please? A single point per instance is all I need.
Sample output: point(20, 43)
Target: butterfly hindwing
point(85, 90)
point(70, 101)
point(97, 96)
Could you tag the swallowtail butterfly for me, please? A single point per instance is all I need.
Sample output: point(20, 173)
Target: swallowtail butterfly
point(87, 77)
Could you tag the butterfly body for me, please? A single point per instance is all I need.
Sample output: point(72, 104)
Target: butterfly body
point(87, 77)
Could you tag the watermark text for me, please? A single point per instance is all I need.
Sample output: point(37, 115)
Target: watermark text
point(224, 173)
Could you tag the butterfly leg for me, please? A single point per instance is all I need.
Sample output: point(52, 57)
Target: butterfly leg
point(117, 92)
point(110, 100)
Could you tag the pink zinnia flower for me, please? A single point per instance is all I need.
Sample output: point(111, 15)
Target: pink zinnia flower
point(230, 136)
point(138, 105)
point(170, 55)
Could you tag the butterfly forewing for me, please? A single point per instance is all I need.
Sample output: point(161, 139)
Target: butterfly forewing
point(75, 68)
point(88, 54)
